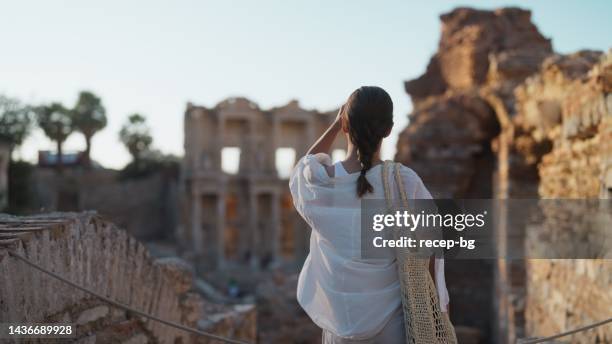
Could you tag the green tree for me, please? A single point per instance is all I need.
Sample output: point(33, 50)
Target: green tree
point(89, 117)
point(56, 121)
point(15, 121)
point(135, 134)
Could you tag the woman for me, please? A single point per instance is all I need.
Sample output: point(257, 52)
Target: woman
point(353, 300)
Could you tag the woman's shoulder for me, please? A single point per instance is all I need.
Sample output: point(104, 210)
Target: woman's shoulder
point(318, 158)
point(314, 167)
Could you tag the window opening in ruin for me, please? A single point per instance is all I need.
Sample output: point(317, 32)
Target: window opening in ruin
point(230, 159)
point(284, 160)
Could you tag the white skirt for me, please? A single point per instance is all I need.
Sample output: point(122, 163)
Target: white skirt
point(392, 333)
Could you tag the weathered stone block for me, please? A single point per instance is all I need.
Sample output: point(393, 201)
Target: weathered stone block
point(92, 314)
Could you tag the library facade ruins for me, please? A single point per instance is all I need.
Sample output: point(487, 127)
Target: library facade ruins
point(245, 216)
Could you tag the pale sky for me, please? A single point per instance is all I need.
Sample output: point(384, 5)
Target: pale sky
point(154, 56)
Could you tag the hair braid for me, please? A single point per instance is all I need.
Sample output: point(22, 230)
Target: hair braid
point(366, 148)
point(370, 114)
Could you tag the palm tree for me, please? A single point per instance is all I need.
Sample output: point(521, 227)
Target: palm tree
point(15, 121)
point(136, 136)
point(89, 117)
point(56, 121)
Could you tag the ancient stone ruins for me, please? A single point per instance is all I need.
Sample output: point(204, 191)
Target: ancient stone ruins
point(246, 217)
point(96, 254)
point(499, 115)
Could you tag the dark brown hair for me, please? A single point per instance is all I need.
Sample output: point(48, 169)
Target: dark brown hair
point(369, 111)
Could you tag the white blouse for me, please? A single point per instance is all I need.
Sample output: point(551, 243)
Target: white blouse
point(342, 293)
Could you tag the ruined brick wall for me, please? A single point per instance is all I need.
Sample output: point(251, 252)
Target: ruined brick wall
point(498, 115)
point(466, 97)
point(543, 109)
point(579, 164)
point(566, 294)
point(531, 119)
point(96, 254)
point(146, 207)
point(462, 110)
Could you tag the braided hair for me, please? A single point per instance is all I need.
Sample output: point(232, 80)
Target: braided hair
point(369, 111)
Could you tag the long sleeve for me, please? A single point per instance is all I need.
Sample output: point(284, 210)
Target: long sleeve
point(308, 172)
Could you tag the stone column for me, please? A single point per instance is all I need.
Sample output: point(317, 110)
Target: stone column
point(275, 226)
point(218, 145)
point(196, 225)
point(245, 166)
point(196, 222)
point(503, 327)
point(244, 215)
point(220, 230)
point(271, 148)
point(253, 228)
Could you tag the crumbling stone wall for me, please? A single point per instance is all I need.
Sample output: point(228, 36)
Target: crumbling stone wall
point(569, 293)
point(498, 115)
point(566, 294)
point(466, 96)
point(94, 253)
point(146, 207)
point(462, 118)
point(540, 103)
point(579, 164)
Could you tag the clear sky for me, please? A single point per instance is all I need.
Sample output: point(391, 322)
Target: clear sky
point(154, 56)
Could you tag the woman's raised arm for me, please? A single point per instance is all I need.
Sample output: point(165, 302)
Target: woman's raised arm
point(324, 143)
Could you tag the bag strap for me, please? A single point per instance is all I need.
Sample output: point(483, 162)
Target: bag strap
point(398, 181)
point(385, 183)
point(400, 185)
